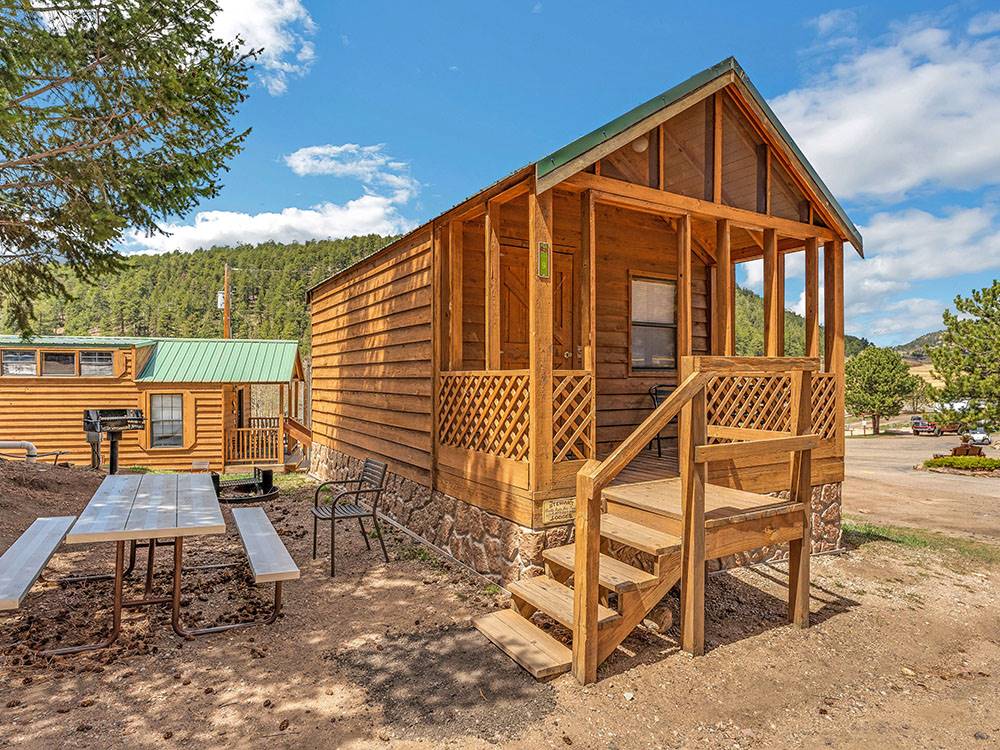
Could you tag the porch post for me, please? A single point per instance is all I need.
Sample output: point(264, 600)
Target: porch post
point(455, 312)
point(684, 296)
point(774, 303)
point(588, 298)
point(833, 319)
point(492, 286)
point(723, 302)
point(812, 297)
point(540, 337)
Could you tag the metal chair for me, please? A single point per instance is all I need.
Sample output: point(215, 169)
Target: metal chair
point(658, 393)
point(370, 484)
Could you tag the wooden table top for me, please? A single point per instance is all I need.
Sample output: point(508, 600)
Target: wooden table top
point(149, 506)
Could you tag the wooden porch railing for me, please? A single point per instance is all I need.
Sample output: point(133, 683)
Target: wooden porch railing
point(760, 405)
point(485, 411)
point(260, 422)
point(573, 427)
point(249, 445)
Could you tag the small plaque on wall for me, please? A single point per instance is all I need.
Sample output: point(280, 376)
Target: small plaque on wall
point(544, 260)
point(558, 510)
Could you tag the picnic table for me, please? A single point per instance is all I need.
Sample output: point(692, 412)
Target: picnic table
point(131, 507)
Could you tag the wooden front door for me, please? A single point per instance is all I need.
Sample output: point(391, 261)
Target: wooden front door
point(515, 329)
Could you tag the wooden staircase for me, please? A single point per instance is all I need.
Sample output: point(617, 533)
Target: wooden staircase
point(634, 592)
point(673, 525)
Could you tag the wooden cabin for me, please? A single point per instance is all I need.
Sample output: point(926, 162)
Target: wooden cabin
point(501, 359)
point(205, 401)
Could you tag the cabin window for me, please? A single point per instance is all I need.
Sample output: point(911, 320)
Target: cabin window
point(97, 364)
point(166, 420)
point(58, 363)
point(19, 362)
point(654, 324)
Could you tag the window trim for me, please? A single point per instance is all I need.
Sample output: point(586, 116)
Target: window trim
point(38, 362)
point(79, 362)
point(41, 363)
point(634, 275)
point(149, 422)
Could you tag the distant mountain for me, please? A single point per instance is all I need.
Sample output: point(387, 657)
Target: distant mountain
point(750, 329)
point(918, 349)
point(174, 294)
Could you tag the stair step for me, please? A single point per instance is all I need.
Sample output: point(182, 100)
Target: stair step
point(555, 600)
point(636, 535)
point(528, 645)
point(613, 574)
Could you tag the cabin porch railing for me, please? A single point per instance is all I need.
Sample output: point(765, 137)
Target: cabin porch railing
point(264, 422)
point(758, 405)
point(485, 411)
point(254, 445)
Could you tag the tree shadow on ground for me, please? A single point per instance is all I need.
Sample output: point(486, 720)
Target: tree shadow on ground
point(424, 681)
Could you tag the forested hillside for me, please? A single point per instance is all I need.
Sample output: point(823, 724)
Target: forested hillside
point(174, 294)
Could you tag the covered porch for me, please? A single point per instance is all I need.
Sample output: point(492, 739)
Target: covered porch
point(545, 360)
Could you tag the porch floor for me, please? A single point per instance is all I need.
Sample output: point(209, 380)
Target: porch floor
point(647, 466)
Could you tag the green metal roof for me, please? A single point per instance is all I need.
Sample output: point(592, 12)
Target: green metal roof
point(613, 128)
point(189, 360)
point(75, 342)
point(220, 361)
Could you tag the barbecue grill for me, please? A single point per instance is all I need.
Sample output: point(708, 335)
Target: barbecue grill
point(110, 422)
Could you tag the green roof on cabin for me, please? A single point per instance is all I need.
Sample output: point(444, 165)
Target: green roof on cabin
point(190, 360)
point(609, 130)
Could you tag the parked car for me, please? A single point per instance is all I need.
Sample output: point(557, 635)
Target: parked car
point(979, 436)
point(925, 428)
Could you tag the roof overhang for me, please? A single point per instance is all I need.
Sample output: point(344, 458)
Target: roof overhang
point(584, 151)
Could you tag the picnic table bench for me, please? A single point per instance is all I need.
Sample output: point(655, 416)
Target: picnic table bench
point(22, 563)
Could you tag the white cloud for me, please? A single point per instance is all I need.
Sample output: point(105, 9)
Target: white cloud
point(369, 214)
point(985, 23)
point(280, 27)
point(837, 21)
point(536, 8)
point(370, 165)
point(917, 111)
point(906, 318)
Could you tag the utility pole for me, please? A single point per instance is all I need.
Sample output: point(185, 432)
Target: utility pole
point(227, 332)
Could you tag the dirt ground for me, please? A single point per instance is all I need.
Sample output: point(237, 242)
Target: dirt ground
point(904, 652)
point(882, 486)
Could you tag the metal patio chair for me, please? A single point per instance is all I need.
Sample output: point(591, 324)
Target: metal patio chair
point(344, 505)
point(658, 393)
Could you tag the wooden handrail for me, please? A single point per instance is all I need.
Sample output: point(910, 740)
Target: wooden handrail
point(727, 451)
point(601, 473)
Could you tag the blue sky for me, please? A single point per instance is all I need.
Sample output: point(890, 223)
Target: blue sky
point(376, 116)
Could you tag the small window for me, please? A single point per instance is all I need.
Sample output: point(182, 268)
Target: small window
point(58, 363)
point(19, 362)
point(97, 364)
point(654, 324)
point(166, 420)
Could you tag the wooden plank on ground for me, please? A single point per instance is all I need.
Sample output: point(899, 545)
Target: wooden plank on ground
point(531, 647)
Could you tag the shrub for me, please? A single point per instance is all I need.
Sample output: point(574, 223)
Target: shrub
point(967, 463)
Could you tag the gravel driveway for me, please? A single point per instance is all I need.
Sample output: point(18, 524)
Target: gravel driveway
point(882, 486)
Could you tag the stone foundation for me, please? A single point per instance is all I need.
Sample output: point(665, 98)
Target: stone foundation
point(504, 551)
point(501, 550)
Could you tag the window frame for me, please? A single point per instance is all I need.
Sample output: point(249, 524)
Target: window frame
point(41, 363)
point(79, 362)
point(6, 349)
point(151, 437)
point(654, 276)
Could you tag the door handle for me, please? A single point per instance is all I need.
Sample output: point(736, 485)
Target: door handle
point(567, 355)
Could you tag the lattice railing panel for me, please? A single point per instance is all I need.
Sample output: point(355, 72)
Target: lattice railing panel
point(824, 405)
point(572, 413)
point(485, 411)
point(751, 401)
